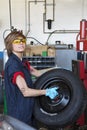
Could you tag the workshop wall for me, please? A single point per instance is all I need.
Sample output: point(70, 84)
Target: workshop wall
point(32, 17)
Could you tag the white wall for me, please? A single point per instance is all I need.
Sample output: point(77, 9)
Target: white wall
point(68, 14)
point(4, 20)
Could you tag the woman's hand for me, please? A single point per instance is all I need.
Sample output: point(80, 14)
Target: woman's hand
point(34, 71)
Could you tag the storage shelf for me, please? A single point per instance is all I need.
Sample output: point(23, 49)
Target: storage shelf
point(41, 62)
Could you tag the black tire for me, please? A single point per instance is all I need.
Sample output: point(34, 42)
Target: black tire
point(66, 108)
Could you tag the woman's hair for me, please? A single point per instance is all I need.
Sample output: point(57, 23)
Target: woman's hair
point(10, 38)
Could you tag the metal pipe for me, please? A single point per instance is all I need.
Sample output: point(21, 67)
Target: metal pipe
point(44, 18)
point(10, 14)
point(60, 31)
point(29, 2)
point(25, 17)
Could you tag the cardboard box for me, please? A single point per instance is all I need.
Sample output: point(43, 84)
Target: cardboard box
point(51, 51)
point(32, 50)
point(39, 50)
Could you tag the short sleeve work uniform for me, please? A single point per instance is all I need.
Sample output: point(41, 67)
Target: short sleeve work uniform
point(18, 106)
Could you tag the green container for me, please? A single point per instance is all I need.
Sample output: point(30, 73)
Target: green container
point(44, 53)
point(5, 104)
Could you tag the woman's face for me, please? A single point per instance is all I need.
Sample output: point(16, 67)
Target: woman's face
point(18, 45)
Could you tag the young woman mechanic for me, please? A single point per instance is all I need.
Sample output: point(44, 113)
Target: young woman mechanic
point(18, 83)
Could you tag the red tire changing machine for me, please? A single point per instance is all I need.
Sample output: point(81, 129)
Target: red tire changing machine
point(79, 66)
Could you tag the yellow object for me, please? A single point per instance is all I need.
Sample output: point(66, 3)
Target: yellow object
point(18, 41)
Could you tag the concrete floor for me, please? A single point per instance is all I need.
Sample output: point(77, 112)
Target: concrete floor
point(43, 128)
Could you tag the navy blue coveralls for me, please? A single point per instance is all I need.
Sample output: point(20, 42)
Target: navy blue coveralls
point(18, 106)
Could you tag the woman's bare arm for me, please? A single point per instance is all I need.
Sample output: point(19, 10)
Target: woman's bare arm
point(26, 91)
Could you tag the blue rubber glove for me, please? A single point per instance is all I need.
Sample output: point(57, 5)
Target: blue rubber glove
point(51, 92)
